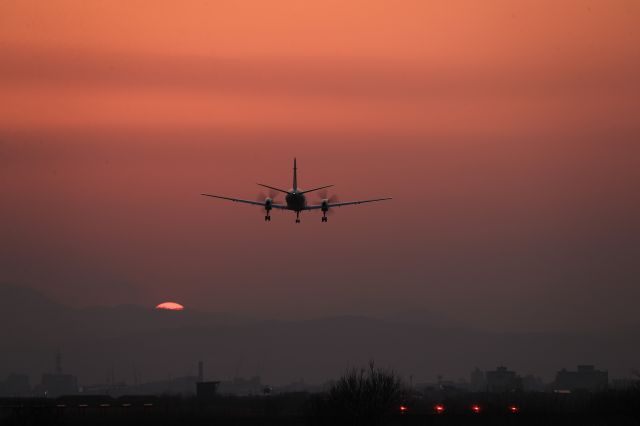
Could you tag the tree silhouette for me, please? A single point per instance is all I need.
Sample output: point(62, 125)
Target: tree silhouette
point(366, 396)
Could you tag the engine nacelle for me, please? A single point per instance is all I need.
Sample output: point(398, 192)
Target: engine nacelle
point(325, 205)
point(268, 204)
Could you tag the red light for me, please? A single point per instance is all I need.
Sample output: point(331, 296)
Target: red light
point(403, 408)
point(514, 408)
point(475, 408)
point(439, 408)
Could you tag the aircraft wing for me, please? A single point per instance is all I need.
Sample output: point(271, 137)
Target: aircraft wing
point(239, 200)
point(347, 203)
point(278, 206)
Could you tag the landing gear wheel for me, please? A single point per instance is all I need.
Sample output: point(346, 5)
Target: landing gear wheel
point(267, 218)
point(297, 220)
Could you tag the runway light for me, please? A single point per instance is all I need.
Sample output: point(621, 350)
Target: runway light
point(439, 408)
point(404, 408)
point(475, 408)
point(514, 409)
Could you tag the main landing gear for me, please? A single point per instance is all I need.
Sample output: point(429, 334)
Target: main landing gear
point(297, 217)
point(267, 218)
point(324, 216)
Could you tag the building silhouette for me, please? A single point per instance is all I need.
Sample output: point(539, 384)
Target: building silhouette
point(242, 386)
point(58, 383)
point(503, 380)
point(477, 382)
point(586, 378)
point(54, 385)
point(205, 391)
point(15, 385)
point(531, 383)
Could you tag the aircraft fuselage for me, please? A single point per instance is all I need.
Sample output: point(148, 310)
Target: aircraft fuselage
point(296, 201)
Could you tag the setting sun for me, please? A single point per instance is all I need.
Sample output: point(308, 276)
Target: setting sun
point(171, 306)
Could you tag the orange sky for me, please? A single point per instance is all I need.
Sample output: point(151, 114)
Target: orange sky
point(348, 64)
point(505, 131)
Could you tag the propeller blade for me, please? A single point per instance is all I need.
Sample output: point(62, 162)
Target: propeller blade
point(324, 195)
point(261, 196)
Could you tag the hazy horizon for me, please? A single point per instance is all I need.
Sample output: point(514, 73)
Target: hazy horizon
point(140, 344)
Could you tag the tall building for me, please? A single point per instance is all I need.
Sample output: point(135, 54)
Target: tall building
point(586, 378)
point(57, 384)
point(477, 382)
point(503, 380)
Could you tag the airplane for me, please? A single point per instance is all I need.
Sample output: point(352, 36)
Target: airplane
point(296, 200)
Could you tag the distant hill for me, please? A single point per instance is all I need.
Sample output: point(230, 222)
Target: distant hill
point(158, 344)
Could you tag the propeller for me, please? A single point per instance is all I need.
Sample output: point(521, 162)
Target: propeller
point(329, 199)
point(324, 195)
point(261, 197)
point(267, 199)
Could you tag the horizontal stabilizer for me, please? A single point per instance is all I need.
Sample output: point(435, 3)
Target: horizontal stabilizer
point(274, 188)
point(315, 189)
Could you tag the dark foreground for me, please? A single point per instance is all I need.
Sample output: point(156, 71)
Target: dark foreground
point(606, 408)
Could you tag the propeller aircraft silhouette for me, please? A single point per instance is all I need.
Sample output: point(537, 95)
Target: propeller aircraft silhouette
point(295, 199)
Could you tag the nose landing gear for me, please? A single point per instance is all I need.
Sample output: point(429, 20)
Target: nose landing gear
point(297, 217)
point(267, 218)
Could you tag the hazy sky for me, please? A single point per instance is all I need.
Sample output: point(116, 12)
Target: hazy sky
point(507, 133)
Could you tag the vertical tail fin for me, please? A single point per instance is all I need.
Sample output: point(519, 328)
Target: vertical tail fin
point(295, 175)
